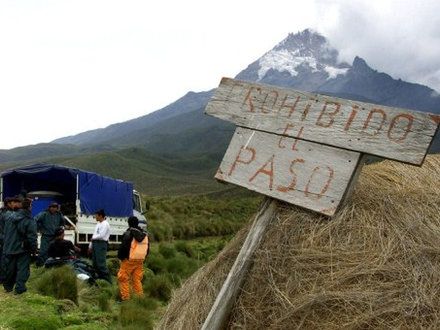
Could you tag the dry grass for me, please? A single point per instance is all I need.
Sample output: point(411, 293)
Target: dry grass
point(375, 265)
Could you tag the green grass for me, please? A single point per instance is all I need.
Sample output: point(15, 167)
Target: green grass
point(59, 282)
point(187, 232)
point(55, 302)
point(35, 311)
point(190, 217)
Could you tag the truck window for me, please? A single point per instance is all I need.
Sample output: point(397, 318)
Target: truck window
point(137, 203)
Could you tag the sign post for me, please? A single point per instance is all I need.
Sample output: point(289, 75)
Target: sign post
point(305, 149)
point(219, 313)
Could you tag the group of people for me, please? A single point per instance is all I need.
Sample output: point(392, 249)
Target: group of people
point(18, 244)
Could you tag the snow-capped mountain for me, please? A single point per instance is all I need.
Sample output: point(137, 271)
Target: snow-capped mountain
point(304, 61)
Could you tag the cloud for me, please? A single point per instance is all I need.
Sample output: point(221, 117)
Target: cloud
point(91, 63)
point(401, 38)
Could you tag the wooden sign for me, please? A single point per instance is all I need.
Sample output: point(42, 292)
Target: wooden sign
point(288, 167)
point(387, 132)
point(299, 172)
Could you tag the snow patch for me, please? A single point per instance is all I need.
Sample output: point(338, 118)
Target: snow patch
point(334, 72)
point(435, 94)
point(283, 60)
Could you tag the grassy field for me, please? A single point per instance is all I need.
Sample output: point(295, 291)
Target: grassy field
point(188, 217)
point(186, 232)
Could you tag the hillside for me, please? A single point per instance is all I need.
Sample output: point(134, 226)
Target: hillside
point(186, 104)
point(374, 265)
point(153, 175)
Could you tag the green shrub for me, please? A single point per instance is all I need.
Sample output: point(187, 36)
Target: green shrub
point(167, 250)
point(113, 265)
point(185, 248)
point(181, 266)
point(156, 262)
point(159, 286)
point(105, 295)
point(135, 314)
point(60, 283)
point(87, 296)
point(37, 322)
point(198, 216)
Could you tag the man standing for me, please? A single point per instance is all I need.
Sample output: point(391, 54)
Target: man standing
point(98, 246)
point(20, 241)
point(47, 223)
point(4, 213)
point(132, 252)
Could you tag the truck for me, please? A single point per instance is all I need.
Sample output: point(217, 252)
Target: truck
point(80, 194)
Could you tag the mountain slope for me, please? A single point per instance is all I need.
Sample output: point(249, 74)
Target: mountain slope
point(304, 61)
point(188, 103)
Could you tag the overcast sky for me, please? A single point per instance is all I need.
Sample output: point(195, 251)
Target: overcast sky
point(67, 66)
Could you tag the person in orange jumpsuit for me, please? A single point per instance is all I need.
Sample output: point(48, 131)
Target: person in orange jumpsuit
point(132, 252)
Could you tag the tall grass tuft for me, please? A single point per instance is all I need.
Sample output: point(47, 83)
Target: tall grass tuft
point(184, 247)
point(167, 250)
point(198, 216)
point(113, 265)
point(60, 283)
point(159, 287)
point(105, 295)
point(138, 313)
point(37, 322)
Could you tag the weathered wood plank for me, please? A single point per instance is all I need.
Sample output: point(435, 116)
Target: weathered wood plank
point(219, 314)
point(387, 132)
point(299, 172)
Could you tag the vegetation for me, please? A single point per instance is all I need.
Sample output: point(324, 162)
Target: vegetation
point(375, 265)
point(182, 243)
point(198, 216)
point(59, 283)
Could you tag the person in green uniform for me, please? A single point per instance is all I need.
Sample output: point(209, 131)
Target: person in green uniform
point(20, 242)
point(47, 223)
point(4, 211)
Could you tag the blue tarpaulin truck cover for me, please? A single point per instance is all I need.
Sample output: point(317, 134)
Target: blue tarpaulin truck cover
point(95, 191)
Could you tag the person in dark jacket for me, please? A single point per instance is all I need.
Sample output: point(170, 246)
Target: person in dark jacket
point(47, 223)
point(20, 242)
point(4, 213)
point(132, 265)
point(61, 248)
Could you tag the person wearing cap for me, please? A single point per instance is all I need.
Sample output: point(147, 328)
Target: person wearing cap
point(20, 242)
point(5, 212)
point(16, 203)
point(98, 246)
point(61, 248)
point(48, 222)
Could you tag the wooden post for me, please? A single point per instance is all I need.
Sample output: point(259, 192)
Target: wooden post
point(219, 314)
